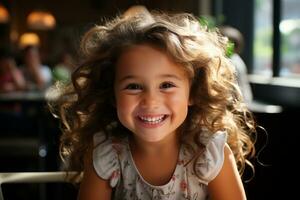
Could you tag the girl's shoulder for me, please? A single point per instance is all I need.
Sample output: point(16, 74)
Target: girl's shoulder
point(107, 153)
point(207, 138)
point(209, 163)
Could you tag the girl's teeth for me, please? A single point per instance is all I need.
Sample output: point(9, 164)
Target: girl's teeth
point(152, 120)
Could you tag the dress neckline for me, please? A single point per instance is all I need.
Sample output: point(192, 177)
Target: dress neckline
point(164, 187)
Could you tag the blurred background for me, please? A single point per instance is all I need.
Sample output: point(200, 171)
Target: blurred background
point(39, 45)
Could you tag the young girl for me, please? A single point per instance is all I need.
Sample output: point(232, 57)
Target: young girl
point(153, 112)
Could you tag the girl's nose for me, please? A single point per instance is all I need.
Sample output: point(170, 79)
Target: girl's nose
point(150, 100)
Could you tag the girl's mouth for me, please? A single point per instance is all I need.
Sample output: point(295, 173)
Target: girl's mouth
point(152, 120)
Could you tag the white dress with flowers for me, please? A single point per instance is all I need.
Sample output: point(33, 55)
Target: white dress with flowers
point(113, 161)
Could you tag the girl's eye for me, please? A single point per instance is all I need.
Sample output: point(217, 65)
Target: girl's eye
point(133, 86)
point(166, 85)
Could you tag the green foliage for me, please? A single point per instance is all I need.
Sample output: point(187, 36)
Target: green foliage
point(229, 49)
point(207, 21)
point(210, 23)
point(61, 74)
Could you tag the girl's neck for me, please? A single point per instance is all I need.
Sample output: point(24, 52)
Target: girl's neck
point(170, 143)
point(164, 154)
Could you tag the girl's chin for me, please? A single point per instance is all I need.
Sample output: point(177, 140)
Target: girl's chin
point(151, 140)
point(151, 136)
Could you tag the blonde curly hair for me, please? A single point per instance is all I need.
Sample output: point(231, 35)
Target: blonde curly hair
point(86, 105)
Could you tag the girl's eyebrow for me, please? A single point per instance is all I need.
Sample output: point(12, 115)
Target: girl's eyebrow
point(124, 78)
point(173, 76)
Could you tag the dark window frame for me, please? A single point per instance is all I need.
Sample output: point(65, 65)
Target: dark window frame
point(276, 40)
point(274, 90)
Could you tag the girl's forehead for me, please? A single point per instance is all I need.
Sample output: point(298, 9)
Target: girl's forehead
point(140, 47)
point(145, 53)
point(148, 58)
point(144, 49)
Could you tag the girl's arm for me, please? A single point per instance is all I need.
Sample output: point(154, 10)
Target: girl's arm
point(92, 186)
point(228, 184)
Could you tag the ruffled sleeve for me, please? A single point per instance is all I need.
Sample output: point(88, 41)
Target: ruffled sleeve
point(105, 159)
point(210, 163)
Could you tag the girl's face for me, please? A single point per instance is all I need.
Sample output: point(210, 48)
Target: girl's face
point(152, 93)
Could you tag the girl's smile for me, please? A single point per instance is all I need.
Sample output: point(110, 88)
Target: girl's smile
point(152, 93)
point(152, 121)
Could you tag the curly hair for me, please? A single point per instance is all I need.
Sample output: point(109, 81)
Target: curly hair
point(86, 105)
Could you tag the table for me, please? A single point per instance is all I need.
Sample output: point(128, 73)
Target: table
point(33, 177)
point(22, 96)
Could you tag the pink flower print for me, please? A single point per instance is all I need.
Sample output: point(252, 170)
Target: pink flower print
point(115, 140)
point(115, 174)
point(173, 178)
point(117, 148)
point(183, 185)
point(180, 162)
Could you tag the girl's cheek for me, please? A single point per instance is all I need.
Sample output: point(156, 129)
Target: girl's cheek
point(124, 102)
point(177, 98)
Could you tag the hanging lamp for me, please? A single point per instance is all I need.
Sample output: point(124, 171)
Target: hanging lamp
point(4, 15)
point(29, 38)
point(41, 20)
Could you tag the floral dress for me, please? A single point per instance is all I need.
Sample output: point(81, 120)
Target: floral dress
point(113, 161)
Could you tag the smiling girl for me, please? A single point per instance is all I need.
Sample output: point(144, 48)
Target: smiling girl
point(153, 112)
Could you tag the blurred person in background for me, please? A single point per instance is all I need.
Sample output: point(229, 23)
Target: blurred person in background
point(236, 37)
point(37, 75)
point(63, 69)
point(11, 78)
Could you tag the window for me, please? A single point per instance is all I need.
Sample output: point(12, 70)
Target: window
point(288, 23)
point(263, 33)
point(290, 38)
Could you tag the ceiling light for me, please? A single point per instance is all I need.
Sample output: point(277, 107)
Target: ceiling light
point(41, 20)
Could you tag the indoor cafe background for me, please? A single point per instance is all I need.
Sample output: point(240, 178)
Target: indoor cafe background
point(271, 30)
